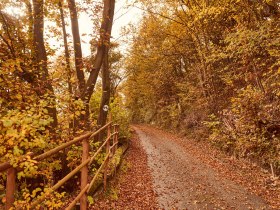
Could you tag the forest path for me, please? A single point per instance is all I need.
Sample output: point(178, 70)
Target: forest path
point(182, 180)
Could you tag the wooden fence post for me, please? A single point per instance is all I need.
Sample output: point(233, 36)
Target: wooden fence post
point(10, 187)
point(107, 161)
point(84, 174)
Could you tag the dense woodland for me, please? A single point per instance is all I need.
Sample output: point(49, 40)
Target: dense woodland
point(208, 69)
point(50, 94)
point(211, 69)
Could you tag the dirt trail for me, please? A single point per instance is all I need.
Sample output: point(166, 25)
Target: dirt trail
point(182, 181)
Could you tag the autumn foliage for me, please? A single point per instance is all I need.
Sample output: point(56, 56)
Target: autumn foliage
point(46, 86)
point(210, 67)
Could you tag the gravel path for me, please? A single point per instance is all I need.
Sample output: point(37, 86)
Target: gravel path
point(182, 181)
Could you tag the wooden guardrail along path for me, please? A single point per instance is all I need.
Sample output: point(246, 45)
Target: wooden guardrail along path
point(110, 144)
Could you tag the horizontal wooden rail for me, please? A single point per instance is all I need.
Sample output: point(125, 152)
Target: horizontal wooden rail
point(71, 174)
point(115, 144)
point(98, 171)
point(67, 144)
point(99, 150)
point(100, 168)
point(59, 183)
point(61, 147)
point(100, 129)
point(85, 163)
point(7, 165)
point(73, 203)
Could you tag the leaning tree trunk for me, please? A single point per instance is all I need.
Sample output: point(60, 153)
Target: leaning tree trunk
point(105, 100)
point(104, 40)
point(86, 89)
point(81, 122)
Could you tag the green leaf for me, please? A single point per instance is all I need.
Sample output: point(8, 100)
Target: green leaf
point(7, 123)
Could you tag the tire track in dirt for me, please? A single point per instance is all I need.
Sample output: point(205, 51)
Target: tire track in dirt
point(182, 181)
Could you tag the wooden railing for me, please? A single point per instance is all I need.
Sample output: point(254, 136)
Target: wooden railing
point(110, 147)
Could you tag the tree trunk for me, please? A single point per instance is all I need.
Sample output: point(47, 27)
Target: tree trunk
point(30, 23)
point(102, 58)
point(108, 15)
point(104, 40)
point(68, 67)
point(80, 122)
point(77, 45)
point(86, 90)
point(66, 49)
point(44, 86)
point(105, 99)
